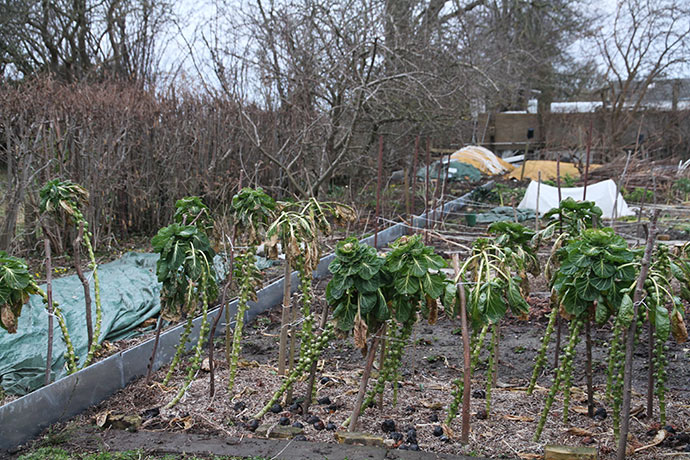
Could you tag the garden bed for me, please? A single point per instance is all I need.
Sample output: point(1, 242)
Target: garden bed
point(432, 360)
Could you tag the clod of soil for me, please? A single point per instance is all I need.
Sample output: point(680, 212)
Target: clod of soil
point(412, 436)
point(330, 426)
point(324, 401)
point(313, 419)
point(319, 425)
point(324, 380)
point(295, 408)
point(276, 408)
point(479, 394)
point(239, 406)
point(284, 421)
point(298, 425)
point(433, 418)
point(253, 425)
point(150, 413)
point(300, 437)
point(600, 414)
point(481, 414)
point(388, 426)
point(438, 431)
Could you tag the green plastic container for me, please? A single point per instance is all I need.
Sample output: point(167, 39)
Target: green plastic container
point(471, 219)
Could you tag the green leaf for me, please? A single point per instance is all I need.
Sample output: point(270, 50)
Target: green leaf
point(602, 284)
point(601, 314)
point(586, 290)
point(626, 311)
point(518, 304)
point(406, 285)
point(662, 323)
point(603, 269)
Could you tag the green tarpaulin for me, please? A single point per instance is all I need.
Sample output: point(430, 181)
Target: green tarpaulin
point(505, 213)
point(455, 170)
point(130, 295)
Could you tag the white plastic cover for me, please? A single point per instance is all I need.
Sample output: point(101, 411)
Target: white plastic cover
point(602, 193)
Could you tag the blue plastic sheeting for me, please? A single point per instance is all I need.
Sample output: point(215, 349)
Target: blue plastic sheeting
point(129, 294)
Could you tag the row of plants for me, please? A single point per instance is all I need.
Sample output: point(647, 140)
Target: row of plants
point(378, 297)
point(61, 203)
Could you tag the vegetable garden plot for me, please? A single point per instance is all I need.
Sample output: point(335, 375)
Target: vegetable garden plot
point(382, 298)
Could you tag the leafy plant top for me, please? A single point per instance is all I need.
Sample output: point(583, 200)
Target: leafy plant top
point(575, 215)
point(299, 224)
point(497, 280)
point(413, 268)
point(514, 240)
point(64, 196)
point(599, 267)
point(356, 287)
point(16, 285)
point(191, 210)
point(186, 257)
point(666, 267)
point(253, 210)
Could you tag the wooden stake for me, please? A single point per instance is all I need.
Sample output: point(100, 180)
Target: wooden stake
point(466, 365)
point(285, 318)
point(365, 379)
point(630, 338)
point(378, 193)
point(49, 296)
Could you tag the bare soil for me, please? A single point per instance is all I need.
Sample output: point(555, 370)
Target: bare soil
point(432, 361)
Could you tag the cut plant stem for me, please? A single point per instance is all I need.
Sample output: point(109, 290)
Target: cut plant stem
point(630, 342)
point(365, 379)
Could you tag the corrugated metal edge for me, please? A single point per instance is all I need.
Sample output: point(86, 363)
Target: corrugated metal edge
point(26, 417)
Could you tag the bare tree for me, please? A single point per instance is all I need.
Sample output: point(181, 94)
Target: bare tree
point(648, 39)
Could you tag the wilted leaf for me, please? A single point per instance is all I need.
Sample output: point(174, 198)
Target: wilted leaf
point(360, 333)
point(579, 431)
point(518, 418)
point(432, 305)
point(8, 319)
point(678, 327)
point(102, 418)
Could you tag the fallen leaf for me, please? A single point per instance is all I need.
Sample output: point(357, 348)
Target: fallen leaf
point(433, 405)
point(518, 418)
point(184, 422)
point(579, 431)
point(206, 365)
point(579, 409)
point(527, 456)
point(658, 439)
point(448, 431)
point(637, 411)
point(102, 418)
